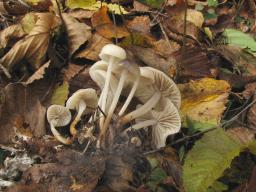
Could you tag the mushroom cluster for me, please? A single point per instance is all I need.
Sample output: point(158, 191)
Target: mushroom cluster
point(158, 96)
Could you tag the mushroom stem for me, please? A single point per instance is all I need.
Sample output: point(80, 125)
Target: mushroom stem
point(142, 110)
point(130, 96)
point(82, 107)
point(115, 101)
point(106, 85)
point(57, 135)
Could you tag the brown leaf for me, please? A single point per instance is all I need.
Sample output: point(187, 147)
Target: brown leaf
point(105, 27)
point(194, 64)
point(94, 47)
point(242, 135)
point(251, 117)
point(249, 91)
point(140, 7)
point(39, 74)
point(12, 33)
point(33, 47)
point(150, 58)
point(73, 171)
point(21, 113)
point(71, 71)
point(81, 14)
point(78, 33)
point(140, 24)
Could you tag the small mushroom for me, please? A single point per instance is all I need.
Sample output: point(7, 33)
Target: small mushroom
point(59, 116)
point(127, 72)
point(165, 122)
point(83, 101)
point(150, 95)
point(111, 54)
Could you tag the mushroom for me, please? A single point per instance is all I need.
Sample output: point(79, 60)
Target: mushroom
point(127, 72)
point(165, 122)
point(111, 54)
point(59, 116)
point(151, 94)
point(161, 83)
point(83, 101)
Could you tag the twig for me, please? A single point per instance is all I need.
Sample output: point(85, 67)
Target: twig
point(6, 72)
point(165, 35)
point(115, 28)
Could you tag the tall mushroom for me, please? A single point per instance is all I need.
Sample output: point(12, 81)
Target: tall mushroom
point(83, 101)
point(165, 122)
point(111, 54)
point(150, 95)
point(126, 71)
point(59, 116)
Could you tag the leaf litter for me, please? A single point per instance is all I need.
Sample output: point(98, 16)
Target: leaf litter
point(204, 51)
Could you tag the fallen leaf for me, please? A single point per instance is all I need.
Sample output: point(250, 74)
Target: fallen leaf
point(194, 17)
point(208, 159)
point(249, 91)
point(150, 58)
point(105, 27)
point(251, 116)
point(93, 5)
point(194, 64)
point(238, 38)
point(39, 74)
point(9, 34)
point(139, 24)
point(96, 43)
point(81, 14)
point(33, 47)
point(60, 94)
point(153, 3)
point(71, 71)
point(203, 102)
point(78, 33)
point(21, 113)
point(137, 39)
point(137, 6)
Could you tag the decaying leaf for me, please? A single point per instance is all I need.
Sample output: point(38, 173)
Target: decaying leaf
point(12, 33)
point(33, 47)
point(208, 159)
point(39, 74)
point(203, 102)
point(94, 47)
point(71, 71)
point(21, 113)
point(105, 27)
point(94, 5)
point(140, 24)
point(150, 58)
point(60, 94)
point(152, 3)
point(78, 33)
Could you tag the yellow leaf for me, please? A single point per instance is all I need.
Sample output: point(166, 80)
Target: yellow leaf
point(28, 22)
point(60, 94)
point(203, 102)
point(194, 17)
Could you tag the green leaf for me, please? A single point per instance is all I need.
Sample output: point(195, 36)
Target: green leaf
point(212, 3)
point(28, 22)
point(60, 94)
point(73, 4)
point(93, 5)
point(153, 3)
point(240, 39)
point(208, 159)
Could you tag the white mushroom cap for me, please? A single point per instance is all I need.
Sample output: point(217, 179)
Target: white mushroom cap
point(112, 50)
point(99, 65)
point(88, 96)
point(162, 83)
point(59, 115)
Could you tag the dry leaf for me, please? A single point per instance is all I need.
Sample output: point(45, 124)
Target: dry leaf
point(81, 14)
point(140, 24)
point(150, 58)
point(203, 102)
point(105, 27)
point(12, 33)
point(39, 74)
point(33, 47)
point(21, 113)
point(94, 47)
point(71, 71)
point(78, 33)
point(251, 117)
